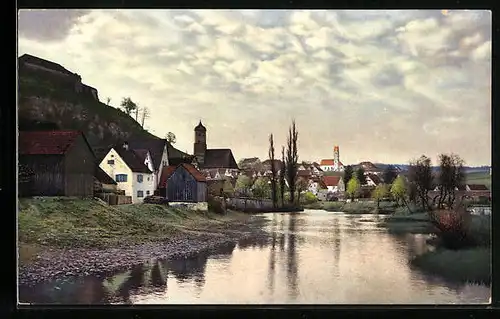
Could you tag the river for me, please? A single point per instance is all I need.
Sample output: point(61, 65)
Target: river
point(314, 257)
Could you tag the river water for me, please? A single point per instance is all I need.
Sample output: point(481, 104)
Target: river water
point(314, 257)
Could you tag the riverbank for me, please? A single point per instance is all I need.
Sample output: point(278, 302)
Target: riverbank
point(472, 264)
point(361, 207)
point(60, 237)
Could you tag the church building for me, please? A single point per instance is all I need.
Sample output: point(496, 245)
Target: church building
point(214, 159)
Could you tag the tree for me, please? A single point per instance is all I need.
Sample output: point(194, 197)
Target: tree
point(353, 187)
point(451, 177)
point(128, 105)
point(145, 115)
point(398, 190)
point(300, 185)
point(227, 187)
point(390, 174)
point(292, 159)
point(108, 100)
point(261, 187)
point(348, 172)
point(360, 175)
point(380, 192)
point(282, 183)
point(273, 171)
point(420, 176)
point(243, 184)
point(171, 138)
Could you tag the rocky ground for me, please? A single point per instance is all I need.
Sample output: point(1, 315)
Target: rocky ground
point(54, 263)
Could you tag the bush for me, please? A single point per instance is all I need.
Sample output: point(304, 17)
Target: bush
point(215, 206)
point(310, 198)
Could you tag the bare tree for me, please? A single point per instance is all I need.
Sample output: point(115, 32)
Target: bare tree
point(273, 170)
point(145, 115)
point(282, 176)
point(292, 158)
point(420, 176)
point(108, 100)
point(451, 177)
point(137, 114)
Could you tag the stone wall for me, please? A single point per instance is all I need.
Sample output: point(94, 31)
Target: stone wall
point(201, 206)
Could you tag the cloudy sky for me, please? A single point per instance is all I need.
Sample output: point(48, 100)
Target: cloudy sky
point(386, 86)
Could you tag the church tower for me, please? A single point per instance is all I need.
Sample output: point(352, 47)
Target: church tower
point(200, 143)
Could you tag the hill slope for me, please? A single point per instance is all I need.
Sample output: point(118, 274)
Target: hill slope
point(41, 100)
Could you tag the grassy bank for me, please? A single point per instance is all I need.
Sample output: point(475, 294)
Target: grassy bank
point(69, 222)
point(362, 207)
point(468, 265)
point(415, 223)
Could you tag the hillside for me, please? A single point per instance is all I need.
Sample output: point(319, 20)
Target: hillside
point(42, 100)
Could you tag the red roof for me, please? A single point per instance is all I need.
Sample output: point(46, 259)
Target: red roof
point(331, 180)
point(198, 176)
point(304, 173)
point(166, 172)
point(327, 162)
point(477, 187)
point(169, 170)
point(46, 142)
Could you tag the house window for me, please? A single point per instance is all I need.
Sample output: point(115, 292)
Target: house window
point(140, 194)
point(140, 177)
point(148, 178)
point(121, 178)
point(164, 163)
point(111, 162)
point(147, 193)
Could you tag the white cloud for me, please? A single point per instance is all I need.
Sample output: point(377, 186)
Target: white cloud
point(369, 80)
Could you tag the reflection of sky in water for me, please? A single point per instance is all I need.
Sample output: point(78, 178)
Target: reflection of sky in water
point(310, 258)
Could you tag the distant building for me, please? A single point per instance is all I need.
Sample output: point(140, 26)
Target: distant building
point(372, 179)
point(334, 184)
point(208, 159)
point(332, 165)
point(369, 168)
point(55, 163)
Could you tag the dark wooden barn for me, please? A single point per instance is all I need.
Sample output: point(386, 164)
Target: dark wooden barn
point(55, 163)
point(183, 183)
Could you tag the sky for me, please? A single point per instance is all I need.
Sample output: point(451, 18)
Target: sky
point(385, 86)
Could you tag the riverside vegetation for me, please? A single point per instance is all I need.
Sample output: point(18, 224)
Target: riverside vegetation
point(64, 236)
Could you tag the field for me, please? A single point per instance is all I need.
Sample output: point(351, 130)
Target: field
point(478, 178)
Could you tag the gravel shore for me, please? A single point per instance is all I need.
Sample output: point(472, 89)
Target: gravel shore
point(55, 263)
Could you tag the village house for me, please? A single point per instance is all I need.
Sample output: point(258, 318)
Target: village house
point(266, 166)
point(314, 169)
point(315, 185)
point(207, 159)
point(372, 179)
point(63, 78)
point(334, 184)
point(369, 168)
point(183, 183)
point(332, 165)
point(129, 170)
point(55, 163)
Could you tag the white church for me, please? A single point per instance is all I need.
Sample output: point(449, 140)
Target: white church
point(332, 165)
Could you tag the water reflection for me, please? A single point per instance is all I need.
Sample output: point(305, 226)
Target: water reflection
point(314, 257)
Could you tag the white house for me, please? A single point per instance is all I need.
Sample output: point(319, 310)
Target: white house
point(130, 172)
point(334, 184)
point(315, 185)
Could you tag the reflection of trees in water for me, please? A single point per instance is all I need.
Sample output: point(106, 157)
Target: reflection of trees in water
point(281, 238)
point(292, 267)
point(92, 291)
point(336, 244)
point(133, 282)
point(245, 243)
point(272, 258)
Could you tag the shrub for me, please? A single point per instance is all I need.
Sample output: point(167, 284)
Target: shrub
point(310, 198)
point(215, 206)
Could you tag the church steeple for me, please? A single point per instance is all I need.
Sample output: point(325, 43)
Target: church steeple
point(200, 143)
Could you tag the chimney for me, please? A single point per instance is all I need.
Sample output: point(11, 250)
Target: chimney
point(125, 146)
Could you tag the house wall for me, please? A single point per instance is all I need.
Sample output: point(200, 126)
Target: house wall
point(147, 186)
point(181, 186)
point(163, 163)
point(79, 165)
point(48, 175)
point(202, 192)
point(119, 167)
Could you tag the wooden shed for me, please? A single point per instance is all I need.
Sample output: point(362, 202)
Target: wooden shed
point(55, 163)
point(183, 183)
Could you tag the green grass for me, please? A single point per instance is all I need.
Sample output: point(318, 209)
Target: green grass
point(70, 222)
point(403, 223)
point(468, 265)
